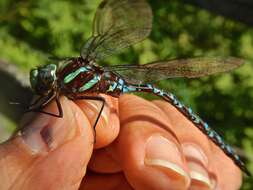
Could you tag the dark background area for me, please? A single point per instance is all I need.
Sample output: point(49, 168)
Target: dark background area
point(31, 31)
point(240, 10)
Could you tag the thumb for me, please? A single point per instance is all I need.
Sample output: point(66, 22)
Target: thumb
point(49, 152)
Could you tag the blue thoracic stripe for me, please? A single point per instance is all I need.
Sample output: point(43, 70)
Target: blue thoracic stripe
point(74, 74)
point(112, 87)
point(90, 83)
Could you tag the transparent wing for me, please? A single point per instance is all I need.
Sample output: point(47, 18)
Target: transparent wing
point(118, 24)
point(190, 68)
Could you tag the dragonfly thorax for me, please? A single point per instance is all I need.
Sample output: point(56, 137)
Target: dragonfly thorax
point(43, 79)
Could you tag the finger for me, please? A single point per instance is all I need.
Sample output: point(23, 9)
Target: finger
point(200, 154)
point(107, 128)
point(105, 182)
point(49, 152)
point(104, 161)
point(229, 176)
point(151, 157)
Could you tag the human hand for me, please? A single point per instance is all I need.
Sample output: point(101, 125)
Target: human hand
point(156, 148)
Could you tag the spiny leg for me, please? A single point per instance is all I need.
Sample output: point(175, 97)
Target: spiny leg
point(36, 101)
point(97, 98)
point(197, 121)
point(58, 103)
point(39, 109)
point(29, 107)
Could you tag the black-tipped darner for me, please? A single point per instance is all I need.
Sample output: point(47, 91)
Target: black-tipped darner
point(119, 24)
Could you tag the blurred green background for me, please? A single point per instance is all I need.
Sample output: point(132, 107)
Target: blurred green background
point(30, 31)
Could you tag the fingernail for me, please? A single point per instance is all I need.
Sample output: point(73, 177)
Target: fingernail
point(197, 163)
point(45, 133)
point(92, 108)
point(163, 153)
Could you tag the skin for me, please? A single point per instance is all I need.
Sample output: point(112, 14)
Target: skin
point(153, 147)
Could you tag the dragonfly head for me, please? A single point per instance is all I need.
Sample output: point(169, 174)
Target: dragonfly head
point(43, 79)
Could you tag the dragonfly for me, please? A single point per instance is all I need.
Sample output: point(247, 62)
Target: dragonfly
point(118, 24)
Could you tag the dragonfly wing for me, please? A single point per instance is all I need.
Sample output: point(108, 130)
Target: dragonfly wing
point(189, 68)
point(118, 24)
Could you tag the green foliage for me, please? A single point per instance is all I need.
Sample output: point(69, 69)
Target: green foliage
point(30, 31)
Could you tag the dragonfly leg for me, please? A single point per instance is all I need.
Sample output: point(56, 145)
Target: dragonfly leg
point(36, 101)
point(196, 120)
point(97, 98)
point(39, 109)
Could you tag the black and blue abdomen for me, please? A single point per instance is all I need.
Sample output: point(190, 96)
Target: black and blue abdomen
point(187, 112)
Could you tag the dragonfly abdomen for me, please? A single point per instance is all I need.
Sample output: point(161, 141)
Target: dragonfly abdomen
point(196, 120)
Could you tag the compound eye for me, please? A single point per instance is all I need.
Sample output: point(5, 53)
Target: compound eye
point(34, 78)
